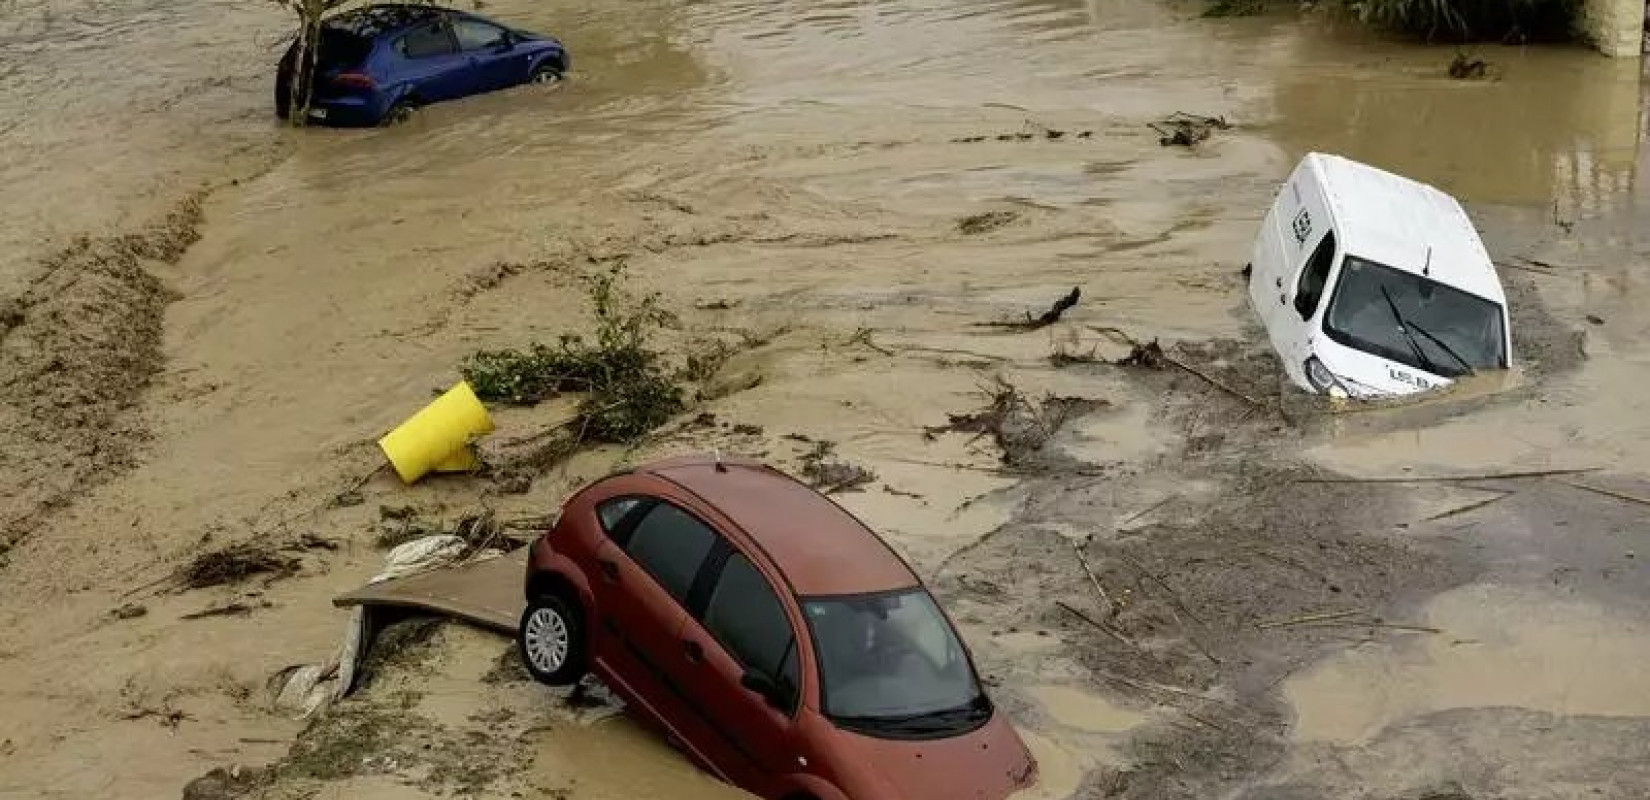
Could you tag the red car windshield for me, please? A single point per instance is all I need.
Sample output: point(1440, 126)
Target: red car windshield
point(892, 663)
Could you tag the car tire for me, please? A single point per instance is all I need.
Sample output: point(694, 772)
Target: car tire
point(400, 111)
point(551, 641)
point(546, 73)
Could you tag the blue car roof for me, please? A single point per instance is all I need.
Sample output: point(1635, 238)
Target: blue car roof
point(373, 21)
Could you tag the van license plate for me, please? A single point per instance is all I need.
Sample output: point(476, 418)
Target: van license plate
point(317, 113)
point(1404, 377)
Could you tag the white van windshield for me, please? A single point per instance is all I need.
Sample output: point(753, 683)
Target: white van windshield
point(1414, 320)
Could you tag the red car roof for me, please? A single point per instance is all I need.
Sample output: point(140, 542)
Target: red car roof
point(819, 547)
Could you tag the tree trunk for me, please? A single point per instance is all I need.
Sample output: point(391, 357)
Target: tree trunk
point(305, 56)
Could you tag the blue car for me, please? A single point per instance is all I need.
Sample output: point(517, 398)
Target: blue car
point(376, 64)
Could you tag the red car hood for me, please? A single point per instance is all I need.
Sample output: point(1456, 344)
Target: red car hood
point(988, 764)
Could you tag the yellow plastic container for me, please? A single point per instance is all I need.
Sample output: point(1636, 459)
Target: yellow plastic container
point(439, 436)
point(464, 459)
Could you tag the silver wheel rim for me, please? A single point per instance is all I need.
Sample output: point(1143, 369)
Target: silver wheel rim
point(546, 640)
point(546, 76)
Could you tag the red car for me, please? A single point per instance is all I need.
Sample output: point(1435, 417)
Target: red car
point(772, 636)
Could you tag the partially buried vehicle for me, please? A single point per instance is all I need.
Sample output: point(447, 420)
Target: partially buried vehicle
point(766, 631)
point(377, 63)
point(1372, 285)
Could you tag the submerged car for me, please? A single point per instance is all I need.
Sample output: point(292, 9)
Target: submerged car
point(1371, 284)
point(769, 634)
point(378, 63)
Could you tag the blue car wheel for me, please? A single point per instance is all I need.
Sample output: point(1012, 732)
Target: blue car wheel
point(400, 111)
point(545, 73)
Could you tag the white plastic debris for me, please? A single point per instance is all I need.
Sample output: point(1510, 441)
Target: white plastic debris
point(349, 654)
point(300, 691)
point(303, 690)
point(421, 555)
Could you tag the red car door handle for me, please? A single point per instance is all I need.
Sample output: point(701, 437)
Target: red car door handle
point(695, 653)
point(609, 569)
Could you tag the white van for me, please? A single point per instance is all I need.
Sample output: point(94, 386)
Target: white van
point(1371, 284)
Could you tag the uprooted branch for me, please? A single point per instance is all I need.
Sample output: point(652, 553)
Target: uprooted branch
point(1151, 354)
point(1047, 318)
point(1020, 427)
point(1465, 68)
point(234, 564)
point(830, 474)
point(1185, 130)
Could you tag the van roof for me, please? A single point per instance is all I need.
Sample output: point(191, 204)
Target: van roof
point(1393, 220)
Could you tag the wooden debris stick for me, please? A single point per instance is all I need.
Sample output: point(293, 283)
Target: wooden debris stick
point(1111, 606)
point(1491, 476)
point(1539, 270)
point(1354, 623)
point(1147, 510)
point(231, 610)
point(1104, 628)
point(1470, 507)
point(1174, 596)
point(1608, 493)
point(1202, 721)
point(1212, 381)
point(1150, 686)
point(1328, 615)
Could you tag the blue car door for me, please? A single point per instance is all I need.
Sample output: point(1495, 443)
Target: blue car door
point(431, 63)
point(493, 55)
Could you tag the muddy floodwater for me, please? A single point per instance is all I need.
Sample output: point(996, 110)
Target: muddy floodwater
point(208, 319)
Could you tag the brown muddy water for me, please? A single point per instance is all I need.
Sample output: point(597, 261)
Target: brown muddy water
point(212, 317)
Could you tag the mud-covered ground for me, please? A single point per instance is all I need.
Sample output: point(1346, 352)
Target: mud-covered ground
point(207, 320)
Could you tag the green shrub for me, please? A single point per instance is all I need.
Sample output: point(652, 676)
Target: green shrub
point(1472, 20)
point(628, 390)
point(1458, 21)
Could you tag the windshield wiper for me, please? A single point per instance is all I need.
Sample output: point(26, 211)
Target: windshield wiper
point(1466, 365)
point(1404, 328)
point(941, 720)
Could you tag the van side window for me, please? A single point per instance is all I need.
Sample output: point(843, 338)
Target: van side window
point(1310, 289)
point(745, 615)
point(671, 545)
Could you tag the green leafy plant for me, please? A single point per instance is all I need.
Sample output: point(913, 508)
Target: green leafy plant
point(1235, 8)
point(628, 389)
point(1471, 20)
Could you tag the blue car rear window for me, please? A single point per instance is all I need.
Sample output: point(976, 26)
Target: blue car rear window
point(342, 49)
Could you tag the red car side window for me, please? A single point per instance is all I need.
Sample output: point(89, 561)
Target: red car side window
point(612, 513)
point(746, 616)
point(671, 545)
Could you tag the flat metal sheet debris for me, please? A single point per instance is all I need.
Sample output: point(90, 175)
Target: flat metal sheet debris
point(487, 593)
